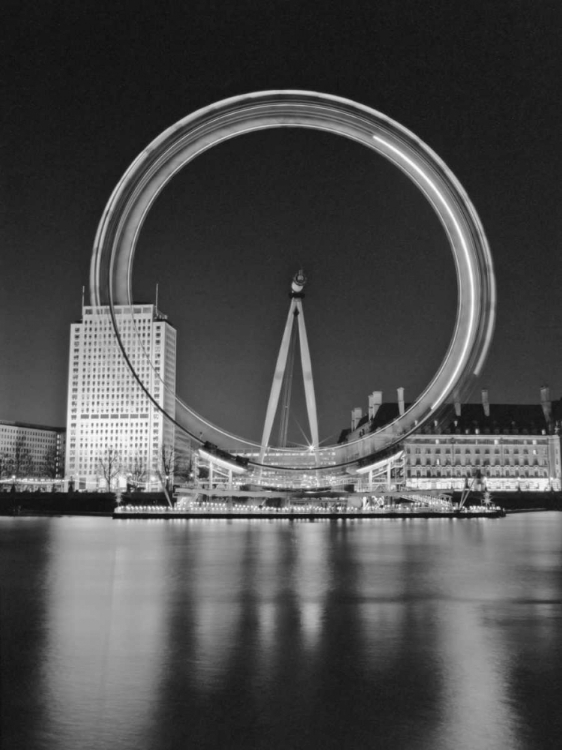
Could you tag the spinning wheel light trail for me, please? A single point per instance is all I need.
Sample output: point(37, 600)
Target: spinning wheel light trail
point(114, 247)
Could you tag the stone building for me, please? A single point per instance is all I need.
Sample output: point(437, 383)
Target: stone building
point(499, 447)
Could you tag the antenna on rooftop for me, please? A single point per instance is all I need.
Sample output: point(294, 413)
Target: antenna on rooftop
point(156, 304)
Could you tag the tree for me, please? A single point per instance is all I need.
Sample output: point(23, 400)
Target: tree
point(5, 466)
point(136, 470)
point(110, 466)
point(175, 465)
point(183, 469)
point(52, 463)
point(21, 459)
point(167, 463)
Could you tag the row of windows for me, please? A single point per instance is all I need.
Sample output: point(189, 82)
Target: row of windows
point(118, 310)
point(478, 441)
point(28, 437)
point(457, 473)
point(479, 462)
point(27, 431)
point(476, 451)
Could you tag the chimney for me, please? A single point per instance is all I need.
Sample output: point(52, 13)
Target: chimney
point(400, 392)
point(485, 402)
point(375, 400)
point(546, 404)
point(356, 415)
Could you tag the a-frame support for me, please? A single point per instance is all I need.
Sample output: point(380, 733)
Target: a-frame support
point(295, 311)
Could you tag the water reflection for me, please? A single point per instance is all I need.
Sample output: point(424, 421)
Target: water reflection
point(24, 587)
point(402, 634)
point(104, 619)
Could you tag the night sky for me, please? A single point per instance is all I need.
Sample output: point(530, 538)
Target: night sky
point(86, 86)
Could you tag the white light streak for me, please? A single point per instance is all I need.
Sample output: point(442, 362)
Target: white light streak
point(454, 377)
point(136, 191)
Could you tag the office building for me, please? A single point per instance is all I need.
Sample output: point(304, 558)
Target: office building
point(115, 433)
point(30, 451)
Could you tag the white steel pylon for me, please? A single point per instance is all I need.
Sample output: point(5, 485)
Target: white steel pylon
point(295, 311)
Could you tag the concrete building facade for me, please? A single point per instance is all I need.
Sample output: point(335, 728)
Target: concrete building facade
point(31, 451)
point(115, 433)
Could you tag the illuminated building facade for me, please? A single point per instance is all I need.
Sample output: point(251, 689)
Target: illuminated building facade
point(492, 461)
point(31, 450)
point(115, 433)
point(498, 447)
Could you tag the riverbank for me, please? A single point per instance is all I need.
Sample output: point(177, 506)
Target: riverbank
point(519, 502)
point(104, 504)
point(274, 514)
point(57, 504)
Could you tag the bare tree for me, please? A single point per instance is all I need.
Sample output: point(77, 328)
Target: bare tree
point(52, 463)
point(110, 466)
point(183, 469)
point(21, 459)
point(137, 470)
point(5, 466)
point(167, 463)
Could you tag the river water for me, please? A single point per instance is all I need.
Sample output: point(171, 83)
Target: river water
point(442, 634)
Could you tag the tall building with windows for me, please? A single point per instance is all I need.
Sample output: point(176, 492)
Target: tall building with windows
point(115, 433)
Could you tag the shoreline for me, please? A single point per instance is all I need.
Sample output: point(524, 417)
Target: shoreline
point(296, 515)
point(173, 515)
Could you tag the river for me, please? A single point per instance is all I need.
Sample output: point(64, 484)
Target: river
point(442, 634)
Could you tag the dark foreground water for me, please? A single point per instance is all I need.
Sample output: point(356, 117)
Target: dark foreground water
point(436, 633)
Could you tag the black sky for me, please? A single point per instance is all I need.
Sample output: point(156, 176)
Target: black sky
point(87, 86)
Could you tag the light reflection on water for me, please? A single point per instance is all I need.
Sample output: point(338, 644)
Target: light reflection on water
point(273, 634)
